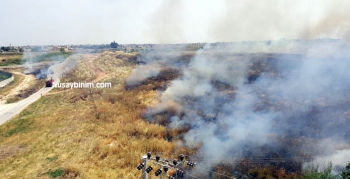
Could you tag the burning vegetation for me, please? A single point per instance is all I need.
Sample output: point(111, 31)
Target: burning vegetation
point(261, 114)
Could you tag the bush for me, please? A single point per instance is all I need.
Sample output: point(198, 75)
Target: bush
point(56, 173)
point(313, 173)
point(13, 99)
point(346, 173)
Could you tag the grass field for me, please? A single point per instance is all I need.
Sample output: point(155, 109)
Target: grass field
point(46, 56)
point(7, 59)
point(78, 134)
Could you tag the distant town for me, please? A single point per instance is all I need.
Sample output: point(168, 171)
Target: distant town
point(139, 47)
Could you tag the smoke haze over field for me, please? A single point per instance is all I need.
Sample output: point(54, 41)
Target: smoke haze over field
point(271, 19)
point(173, 21)
point(141, 73)
point(32, 61)
point(233, 99)
point(66, 66)
point(235, 104)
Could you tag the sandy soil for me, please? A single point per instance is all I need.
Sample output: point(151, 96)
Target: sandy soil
point(23, 85)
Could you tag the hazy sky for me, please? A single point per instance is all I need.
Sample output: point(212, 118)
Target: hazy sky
point(42, 22)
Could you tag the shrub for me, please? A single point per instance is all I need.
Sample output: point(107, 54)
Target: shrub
point(346, 173)
point(313, 173)
point(56, 173)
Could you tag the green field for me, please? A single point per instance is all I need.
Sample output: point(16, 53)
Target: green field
point(52, 56)
point(7, 59)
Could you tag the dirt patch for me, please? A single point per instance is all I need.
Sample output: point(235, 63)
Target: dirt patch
point(10, 151)
point(33, 87)
point(22, 86)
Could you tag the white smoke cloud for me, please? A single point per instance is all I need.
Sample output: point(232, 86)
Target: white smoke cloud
point(142, 72)
point(296, 99)
point(65, 66)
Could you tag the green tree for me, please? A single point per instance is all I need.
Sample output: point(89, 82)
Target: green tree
point(114, 44)
point(313, 173)
point(5, 49)
point(346, 173)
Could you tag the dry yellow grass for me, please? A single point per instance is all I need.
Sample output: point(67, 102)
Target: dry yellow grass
point(32, 87)
point(9, 58)
point(6, 89)
point(81, 73)
point(67, 131)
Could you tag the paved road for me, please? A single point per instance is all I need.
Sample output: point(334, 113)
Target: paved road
point(7, 111)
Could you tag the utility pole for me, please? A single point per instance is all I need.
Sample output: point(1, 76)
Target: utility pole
point(144, 173)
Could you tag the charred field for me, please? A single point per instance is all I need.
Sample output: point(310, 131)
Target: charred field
point(250, 115)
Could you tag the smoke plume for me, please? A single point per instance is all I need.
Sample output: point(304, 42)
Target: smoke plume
point(235, 102)
point(166, 23)
point(64, 67)
point(249, 20)
point(267, 20)
point(38, 65)
point(238, 97)
point(141, 73)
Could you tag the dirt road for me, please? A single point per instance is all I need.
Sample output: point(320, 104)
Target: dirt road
point(94, 69)
point(7, 111)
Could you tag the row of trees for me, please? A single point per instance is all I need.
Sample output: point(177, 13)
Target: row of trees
point(6, 49)
point(11, 49)
point(39, 49)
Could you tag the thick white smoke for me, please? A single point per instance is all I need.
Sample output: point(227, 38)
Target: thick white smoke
point(142, 72)
point(64, 67)
point(293, 96)
point(302, 93)
point(40, 63)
